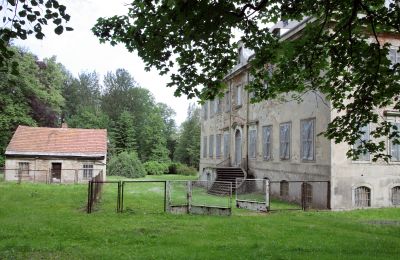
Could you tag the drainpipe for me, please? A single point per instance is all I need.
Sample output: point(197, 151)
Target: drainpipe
point(247, 125)
point(230, 122)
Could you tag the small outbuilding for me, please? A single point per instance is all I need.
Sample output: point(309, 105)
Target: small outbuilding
point(56, 155)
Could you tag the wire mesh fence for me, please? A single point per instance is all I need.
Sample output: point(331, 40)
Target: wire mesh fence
point(252, 194)
point(211, 194)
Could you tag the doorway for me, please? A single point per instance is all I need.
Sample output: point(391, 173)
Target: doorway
point(56, 171)
point(238, 147)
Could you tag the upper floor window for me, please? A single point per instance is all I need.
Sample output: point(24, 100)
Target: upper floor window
point(307, 137)
point(205, 147)
point(252, 143)
point(395, 147)
point(211, 146)
point(364, 156)
point(227, 102)
point(267, 144)
point(240, 55)
point(284, 140)
point(394, 56)
point(218, 146)
point(87, 171)
point(239, 95)
point(226, 144)
point(212, 108)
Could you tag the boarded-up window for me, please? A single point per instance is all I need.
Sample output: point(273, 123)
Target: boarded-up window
point(284, 188)
point(396, 195)
point(226, 144)
point(205, 147)
point(284, 140)
point(267, 144)
point(239, 95)
point(23, 168)
point(364, 156)
point(307, 139)
point(362, 197)
point(227, 101)
point(252, 143)
point(395, 147)
point(218, 146)
point(87, 171)
point(211, 146)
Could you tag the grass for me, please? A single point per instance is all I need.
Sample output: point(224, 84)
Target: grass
point(39, 221)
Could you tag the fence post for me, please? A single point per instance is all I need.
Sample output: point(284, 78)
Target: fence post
point(89, 198)
point(328, 202)
point(119, 197)
point(122, 197)
point(189, 196)
point(166, 195)
point(267, 202)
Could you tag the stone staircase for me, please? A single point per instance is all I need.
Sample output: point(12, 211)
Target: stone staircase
point(225, 176)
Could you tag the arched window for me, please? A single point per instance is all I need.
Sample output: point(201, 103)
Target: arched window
point(362, 197)
point(284, 188)
point(396, 195)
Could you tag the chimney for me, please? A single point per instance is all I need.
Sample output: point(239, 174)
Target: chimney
point(64, 125)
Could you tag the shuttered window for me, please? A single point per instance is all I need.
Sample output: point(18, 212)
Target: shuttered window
point(284, 140)
point(395, 147)
point(267, 144)
point(307, 139)
point(226, 144)
point(364, 137)
point(252, 143)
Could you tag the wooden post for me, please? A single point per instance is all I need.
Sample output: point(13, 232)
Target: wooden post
point(189, 196)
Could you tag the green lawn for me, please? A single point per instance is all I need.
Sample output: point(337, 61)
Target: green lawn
point(39, 221)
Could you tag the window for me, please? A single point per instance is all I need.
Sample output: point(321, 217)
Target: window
point(212, 108)
point(211, 146)
point(364, 156)
point(267, 144)
point(307, 136)
point(205, 147)
point(394, 147)
point(227, 102)
point(284, 188)
point(284, 140)
point(394, 56)
point(218, 146)
point(226, 145)
point(23, 168)
point(205, 111)
point(218, 105)
point(252, 143)
point(87, 171)
point(306, 190)
point(396, 196)
point(362, 197)
point(239, 95)
point(240, 54)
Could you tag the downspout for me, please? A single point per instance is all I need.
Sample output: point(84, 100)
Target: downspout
point(247, 125)
point(230, 123)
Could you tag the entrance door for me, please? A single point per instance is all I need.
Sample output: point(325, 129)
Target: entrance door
point(238, 148)
point(56, 171)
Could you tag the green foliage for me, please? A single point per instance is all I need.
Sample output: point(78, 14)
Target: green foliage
point(89, 119)
point(23, 18)
point(188, 144)
point(127, 165)
point(124, 133)
point(341, 38)
point(183, 169)
point(155, 168)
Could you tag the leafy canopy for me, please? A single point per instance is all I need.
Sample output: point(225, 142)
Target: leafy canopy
point(194, 41)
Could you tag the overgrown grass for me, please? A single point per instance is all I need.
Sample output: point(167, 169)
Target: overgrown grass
point(39, 221)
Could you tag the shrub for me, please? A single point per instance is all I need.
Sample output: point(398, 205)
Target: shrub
point(183, 169)
point(127, 165)
point(155, 168)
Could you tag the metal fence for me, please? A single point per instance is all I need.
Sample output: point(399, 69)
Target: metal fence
point(252, 194)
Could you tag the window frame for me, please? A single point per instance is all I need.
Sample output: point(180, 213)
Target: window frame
point(251, 149)
point(211, 146)
point(359, 202)
point(87, 171)
point(395, 191)
point(302, 122)
point(227, 144)
point(289, 141)
point(362, 160)
point(239, 96)
point(21, 171)
point(218, 142)
point(267, 157)
point(205, 147)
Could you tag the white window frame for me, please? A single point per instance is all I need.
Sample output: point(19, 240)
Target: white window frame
point(307, 140)
point(267, 143)
point(285, 141)
point(87, 169)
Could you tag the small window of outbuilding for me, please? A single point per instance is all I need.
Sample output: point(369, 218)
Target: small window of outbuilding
point(23, 168)
point(362, 196)
point(87, 171)
point(396, 196)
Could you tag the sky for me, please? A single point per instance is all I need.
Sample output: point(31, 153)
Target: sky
point(80, 51)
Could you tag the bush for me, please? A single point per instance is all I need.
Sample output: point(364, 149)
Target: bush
point(127, 165)
point(183, 169)
point(156, 168)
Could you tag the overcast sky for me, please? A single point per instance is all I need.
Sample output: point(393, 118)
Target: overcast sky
point(80, 50)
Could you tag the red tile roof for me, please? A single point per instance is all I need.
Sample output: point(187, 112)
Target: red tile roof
point(58, 141)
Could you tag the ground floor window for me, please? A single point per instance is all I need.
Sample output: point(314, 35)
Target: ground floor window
point(284, 188)
point(23, 168)
point(307, 195)
point(396, 195)
point(87, 171)
point(362, 197)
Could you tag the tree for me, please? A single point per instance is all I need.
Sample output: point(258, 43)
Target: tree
point(168, 114)
point(89, 118)
point(23, 18)
point(341, 38)
point(123, 134)
point(188, 147)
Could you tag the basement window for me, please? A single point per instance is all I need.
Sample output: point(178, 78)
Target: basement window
point(362, 197)
point(284, 188)
point(396, 196)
